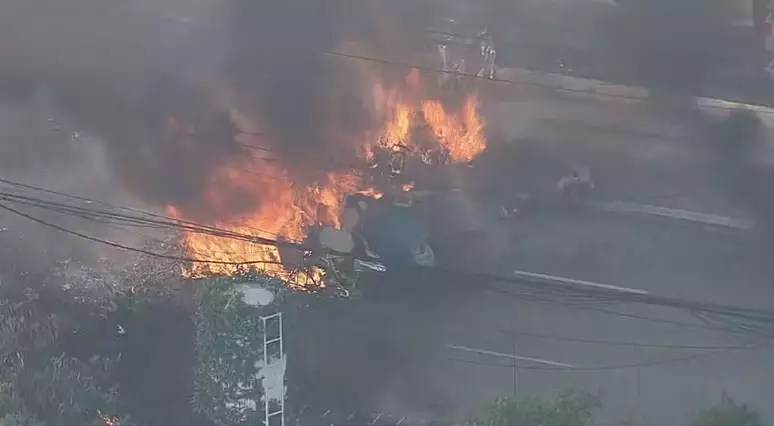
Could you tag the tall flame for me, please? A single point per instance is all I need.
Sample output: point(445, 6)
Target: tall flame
point(460, 132)
point(288, 209)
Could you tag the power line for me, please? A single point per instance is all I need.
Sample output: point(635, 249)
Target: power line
point(306, 154)
point(474, 76)
point(542, 288)
point(538, 291)
point(188, 259)
point(505, 81)
point(171, 223)
point(131, 222)
point(125, 247)
point(586, 307)
point(108, 205)
point(714, 350)
point(752, 314)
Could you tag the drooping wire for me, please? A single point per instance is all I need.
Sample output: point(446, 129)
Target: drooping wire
point(745, 320)
point(125, 247)
point(570, 90)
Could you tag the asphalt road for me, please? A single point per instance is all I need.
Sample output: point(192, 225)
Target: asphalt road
point(392, 354)
point(394, 343)
point(388, 352)
point(661, 258)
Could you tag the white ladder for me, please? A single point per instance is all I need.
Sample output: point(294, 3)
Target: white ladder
point(273, 362)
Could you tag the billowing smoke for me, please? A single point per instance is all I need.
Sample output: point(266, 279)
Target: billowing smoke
point(313, 104)
point(149, 78)
point(118, 71)
point(741, 140)
point(668, 45)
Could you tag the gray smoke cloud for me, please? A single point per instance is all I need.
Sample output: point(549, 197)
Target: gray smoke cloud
point(115, 69)
point(668, 45)
point(121, 70)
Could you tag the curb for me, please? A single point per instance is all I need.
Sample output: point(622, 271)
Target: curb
point(602, 88)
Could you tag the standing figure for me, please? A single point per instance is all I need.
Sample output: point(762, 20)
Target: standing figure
point(489, 54)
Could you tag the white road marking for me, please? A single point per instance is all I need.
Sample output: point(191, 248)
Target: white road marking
point(707, 219)
point(510, 356)
point(572, 282)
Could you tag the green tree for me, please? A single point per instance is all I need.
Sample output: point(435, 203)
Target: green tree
point(39, 383)
point(229, 343)
point(18, 420)
point(728, 413)
point(569, 409)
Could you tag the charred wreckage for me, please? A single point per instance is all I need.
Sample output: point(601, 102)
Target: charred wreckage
point(375, 232)
point(387, 230)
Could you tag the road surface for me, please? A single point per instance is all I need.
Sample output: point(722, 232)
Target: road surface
point(398, 347)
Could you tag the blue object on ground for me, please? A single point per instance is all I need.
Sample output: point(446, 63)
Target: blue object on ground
point(395, 234)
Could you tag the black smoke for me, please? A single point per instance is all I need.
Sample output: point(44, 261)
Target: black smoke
point(668, 45)
point(313, 103)
point(122, 70)
point(739, 139)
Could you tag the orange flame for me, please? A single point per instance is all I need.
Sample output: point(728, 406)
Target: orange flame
point(461, 134)
point(289, 209)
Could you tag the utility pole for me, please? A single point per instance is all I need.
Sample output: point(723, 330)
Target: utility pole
point(638, 383)
point(515, 370)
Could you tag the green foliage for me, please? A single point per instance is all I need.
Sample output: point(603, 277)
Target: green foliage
point(229, 340)
point(728, 413)
point(18, 420)
point(569, 409)
point(38, 381)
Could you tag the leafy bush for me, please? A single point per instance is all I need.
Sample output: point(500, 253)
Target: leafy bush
point(229, 340)
point(569, 409)
point(39, 382)
point(18, 420)
point(728, 413)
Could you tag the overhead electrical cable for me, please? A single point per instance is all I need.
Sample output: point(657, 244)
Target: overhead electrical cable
point(592, 294)
point(106, 204)
point(748, 320)
point(128, 248)
point(733, 329)
point(555, 88)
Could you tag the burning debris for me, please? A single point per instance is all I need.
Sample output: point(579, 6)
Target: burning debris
point(181, 140)
point(109, 419)
point(412, 132)
point(423, 131)
point(570, 191)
